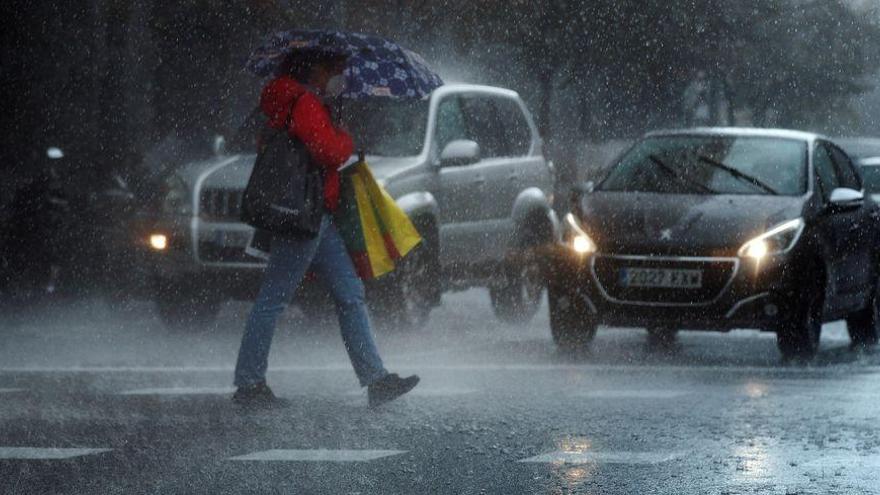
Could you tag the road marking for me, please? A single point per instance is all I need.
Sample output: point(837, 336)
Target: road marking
point(10, 390)
point(633, 394)
point(443, 367)
point(37, 453)
point(181, 391)
point(631, 458)
point(318, 455)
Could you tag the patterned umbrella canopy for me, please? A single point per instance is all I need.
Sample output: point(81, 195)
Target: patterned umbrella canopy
point(375, 66)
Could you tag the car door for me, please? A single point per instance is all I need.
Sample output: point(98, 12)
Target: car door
point(498, 175)
point(530, 170)
point(855, 235)
point(455, 187)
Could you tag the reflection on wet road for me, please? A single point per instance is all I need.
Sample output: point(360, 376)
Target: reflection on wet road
point(101, 400)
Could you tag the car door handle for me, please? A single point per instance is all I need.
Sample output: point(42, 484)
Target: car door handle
point(480, 181)
point(513, 176)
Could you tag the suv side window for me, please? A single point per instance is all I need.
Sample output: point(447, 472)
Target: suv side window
point(483, 125)
point(828, 180)
point(513, 125)
point(845, 170)
point(450, 123)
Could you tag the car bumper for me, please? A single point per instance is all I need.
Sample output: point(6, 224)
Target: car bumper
point(743, 294)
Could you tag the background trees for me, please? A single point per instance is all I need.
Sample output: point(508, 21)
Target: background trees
point(113, 79)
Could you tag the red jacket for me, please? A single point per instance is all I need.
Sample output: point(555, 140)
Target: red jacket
point(329, 146)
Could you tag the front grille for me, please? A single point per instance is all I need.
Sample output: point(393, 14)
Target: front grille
point(717, 275)
point(221, 204)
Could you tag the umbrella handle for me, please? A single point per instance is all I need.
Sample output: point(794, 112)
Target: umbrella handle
point(361, 157)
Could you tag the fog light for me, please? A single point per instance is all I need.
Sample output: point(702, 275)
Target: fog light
point(159, 242)
point(771, 310)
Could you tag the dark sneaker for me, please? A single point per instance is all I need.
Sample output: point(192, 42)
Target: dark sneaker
point(258, 396)
point(390, 388)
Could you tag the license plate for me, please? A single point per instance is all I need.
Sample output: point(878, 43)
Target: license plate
point(661, 277)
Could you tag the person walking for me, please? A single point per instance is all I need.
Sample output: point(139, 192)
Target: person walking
point(293, 101)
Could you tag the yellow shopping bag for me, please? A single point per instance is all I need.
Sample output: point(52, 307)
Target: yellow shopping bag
point(377, 233)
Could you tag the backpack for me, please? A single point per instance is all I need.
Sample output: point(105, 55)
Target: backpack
point(285, 192)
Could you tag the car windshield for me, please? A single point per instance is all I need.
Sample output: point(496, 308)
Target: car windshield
point(711, 165)
point(871, 179)
point(385, 127)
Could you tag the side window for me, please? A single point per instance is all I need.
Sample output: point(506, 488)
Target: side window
point(848, 176)
point(513, 125)
point(450, 123)
point(825, 170)
point(482, 125)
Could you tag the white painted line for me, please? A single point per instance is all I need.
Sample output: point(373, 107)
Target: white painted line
point(633, 394)
point(852, 461)
point(440, 367)
point(10, 390)
point(37, 453)
point(181, 391)
point(318, 455)
point(631, 458)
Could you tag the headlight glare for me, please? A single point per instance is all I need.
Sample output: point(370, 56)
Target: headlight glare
point(778, 240)
point(577, 238)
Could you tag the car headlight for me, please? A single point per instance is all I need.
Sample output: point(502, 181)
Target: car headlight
point(176, 199)
point(576, 238)
point(780, 239)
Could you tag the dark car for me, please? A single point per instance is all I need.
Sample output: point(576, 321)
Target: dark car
point(717, 229)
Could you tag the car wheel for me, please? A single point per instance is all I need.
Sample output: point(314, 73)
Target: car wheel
point(798, 335)
point(179, 308)
point(661, 336)
point(405, 299)
point(516, 298)
point(571, 324)
point(863, 325)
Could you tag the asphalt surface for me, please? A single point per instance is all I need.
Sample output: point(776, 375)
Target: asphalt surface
point(97, 398)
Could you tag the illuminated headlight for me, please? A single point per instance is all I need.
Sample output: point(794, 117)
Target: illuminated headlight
point(159, 242)
point(577, 239)
point(778, 240)
point(176, 200)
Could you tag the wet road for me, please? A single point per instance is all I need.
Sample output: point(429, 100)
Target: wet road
point(105, 400)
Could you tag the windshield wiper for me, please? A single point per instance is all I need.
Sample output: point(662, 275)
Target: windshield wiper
point(677, 177)
point(739, 175)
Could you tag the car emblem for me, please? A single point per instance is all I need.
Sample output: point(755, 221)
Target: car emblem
point(666, 235)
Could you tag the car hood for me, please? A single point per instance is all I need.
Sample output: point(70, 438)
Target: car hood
point(681, 225)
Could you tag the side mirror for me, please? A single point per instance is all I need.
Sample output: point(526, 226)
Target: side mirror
point(844, 199)
point(219, 145)
point(460, 152)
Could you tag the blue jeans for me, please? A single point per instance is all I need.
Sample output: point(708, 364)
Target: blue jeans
point(289, 261)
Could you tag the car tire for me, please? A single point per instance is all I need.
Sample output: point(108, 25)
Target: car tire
point(864, 326)
point(404, 299)
point(516, 297)
point(571, 324)
point(180, 309)
point(798, 335)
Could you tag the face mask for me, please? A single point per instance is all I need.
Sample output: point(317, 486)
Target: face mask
point(335, 86)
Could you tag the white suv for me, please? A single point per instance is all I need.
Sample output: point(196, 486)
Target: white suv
point(467, 167)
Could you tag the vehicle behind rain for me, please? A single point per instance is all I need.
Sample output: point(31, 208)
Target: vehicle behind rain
point(466, 166)
point(722, 228)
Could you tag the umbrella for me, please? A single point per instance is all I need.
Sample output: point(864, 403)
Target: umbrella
point(375, 66)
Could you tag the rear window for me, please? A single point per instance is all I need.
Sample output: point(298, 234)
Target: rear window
point(711, 165)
